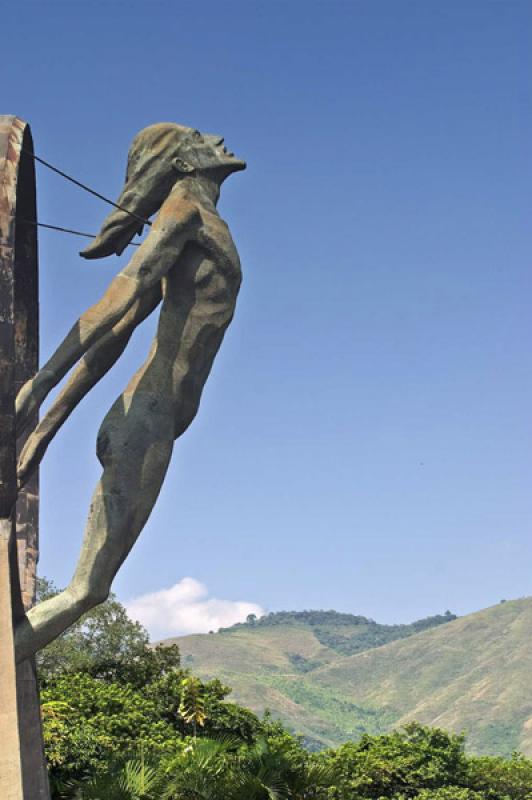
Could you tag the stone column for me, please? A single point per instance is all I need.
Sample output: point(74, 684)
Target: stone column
point(22, 766)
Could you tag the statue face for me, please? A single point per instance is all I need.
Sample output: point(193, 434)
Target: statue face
point(206, 151)
point(156, 154)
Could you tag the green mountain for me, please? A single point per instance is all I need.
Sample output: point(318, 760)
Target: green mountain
point(334, 676)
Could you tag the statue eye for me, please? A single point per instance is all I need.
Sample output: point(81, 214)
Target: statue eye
point(197, 136)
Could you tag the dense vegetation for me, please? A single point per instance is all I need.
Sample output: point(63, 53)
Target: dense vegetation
point(123, 721)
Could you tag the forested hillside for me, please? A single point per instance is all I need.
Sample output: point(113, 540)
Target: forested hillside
point(344, 633)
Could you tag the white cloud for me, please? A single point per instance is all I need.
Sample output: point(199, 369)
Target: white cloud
point(187, 608)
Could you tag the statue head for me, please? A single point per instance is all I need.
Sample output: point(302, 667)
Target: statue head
point(159, 156)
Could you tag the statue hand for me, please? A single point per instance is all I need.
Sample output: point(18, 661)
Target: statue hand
point(29, 399)
point(32, 454)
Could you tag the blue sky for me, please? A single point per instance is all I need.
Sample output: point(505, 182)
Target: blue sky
point(364, 441)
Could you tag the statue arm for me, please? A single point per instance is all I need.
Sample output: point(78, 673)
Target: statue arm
point(154, 258)
point(92, 367)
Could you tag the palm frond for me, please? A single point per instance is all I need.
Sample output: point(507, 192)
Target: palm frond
point(134, 780)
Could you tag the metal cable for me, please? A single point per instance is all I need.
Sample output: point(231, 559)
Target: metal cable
point(68, 230)
point(83, 186)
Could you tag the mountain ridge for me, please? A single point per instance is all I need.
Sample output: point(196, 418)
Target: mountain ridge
point(469, 673)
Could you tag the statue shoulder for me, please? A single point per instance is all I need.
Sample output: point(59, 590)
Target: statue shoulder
point(178, 213)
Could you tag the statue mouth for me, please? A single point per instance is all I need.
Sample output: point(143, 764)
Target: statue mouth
point(225, 150)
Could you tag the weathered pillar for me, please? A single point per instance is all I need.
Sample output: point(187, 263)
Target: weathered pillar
point(10, 754)
point(22, 767)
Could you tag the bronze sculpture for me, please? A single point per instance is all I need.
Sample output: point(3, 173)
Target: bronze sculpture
point(189, 262)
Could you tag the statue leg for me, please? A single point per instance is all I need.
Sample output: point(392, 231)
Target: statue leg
point(134, 446)
point(93, 366)
point(135, 443)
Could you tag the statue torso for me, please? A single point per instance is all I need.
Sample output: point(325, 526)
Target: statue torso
point(207, 274)
point(199, 298)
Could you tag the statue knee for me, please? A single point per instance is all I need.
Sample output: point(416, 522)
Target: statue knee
point(87, 597)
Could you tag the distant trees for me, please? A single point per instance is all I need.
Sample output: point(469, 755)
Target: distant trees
point(335, 619)
point(347, 634)
point(305, 617)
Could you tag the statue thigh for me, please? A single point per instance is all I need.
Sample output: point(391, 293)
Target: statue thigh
point(134, 447)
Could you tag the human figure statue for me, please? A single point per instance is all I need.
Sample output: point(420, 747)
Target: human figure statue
point(189, 262)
